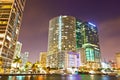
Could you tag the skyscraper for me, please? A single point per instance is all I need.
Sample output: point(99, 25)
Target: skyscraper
point(87, 38)
point(61, 40)
point(62, 34)
point(118, 59)
point(24, 57)
point(11, 12)
point(17, 49)
point(17, 52)
point(67, 35)
point(43, 56)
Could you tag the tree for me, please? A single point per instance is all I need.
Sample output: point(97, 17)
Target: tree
point(17, 60)
point(36, 67)
point(28, 66)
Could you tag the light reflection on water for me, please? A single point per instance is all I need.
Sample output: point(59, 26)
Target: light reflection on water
point(60, 77)
point(73, 77)
point(16, 77)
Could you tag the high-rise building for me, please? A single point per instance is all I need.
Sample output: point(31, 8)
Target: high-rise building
point(118, 60)
point(11, 12)
point(62, 34)
point(24, 57)
point(87, 38)
point(43, 57)
point(17, 49)
point(70, 35)
point(61, 40)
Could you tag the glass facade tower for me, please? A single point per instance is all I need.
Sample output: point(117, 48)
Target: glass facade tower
point(11, 12)
point(61, 39)
point(87, 38)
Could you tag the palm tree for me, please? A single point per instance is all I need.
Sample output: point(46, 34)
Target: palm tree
point(36, 67)
point(28, 66)
point(17, 60)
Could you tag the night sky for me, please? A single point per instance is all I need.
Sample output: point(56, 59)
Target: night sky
point(105, 14)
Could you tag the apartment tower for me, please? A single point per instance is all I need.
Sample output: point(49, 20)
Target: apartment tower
point(61, 40)
point(11, 12)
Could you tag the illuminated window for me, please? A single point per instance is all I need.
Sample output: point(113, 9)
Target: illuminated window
point(63, 45)
point(2, 35)
point(6, 6)
point(3, 22)
point(66, 26)
point(69, 46)
point(17, 31)
point(8, 37)
point(66, 37)
point(66, 32)
point(1, 42)
point(54, 39)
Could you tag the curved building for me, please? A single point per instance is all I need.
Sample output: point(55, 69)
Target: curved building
point(61, 40)
point(62, 34)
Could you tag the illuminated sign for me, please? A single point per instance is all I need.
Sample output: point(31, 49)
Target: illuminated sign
point(91, 24)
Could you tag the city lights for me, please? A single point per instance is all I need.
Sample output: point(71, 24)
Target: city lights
point(92, 24)
point(73, 47)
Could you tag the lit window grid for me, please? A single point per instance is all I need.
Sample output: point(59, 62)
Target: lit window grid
point(66, 38)
point(61, 38)
point(8, 13)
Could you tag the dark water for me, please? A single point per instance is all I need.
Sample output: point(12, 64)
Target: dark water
point(60, 77)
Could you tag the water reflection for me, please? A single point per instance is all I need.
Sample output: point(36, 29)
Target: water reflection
point(16, 78)
point(73, 77)
point(60, 77)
